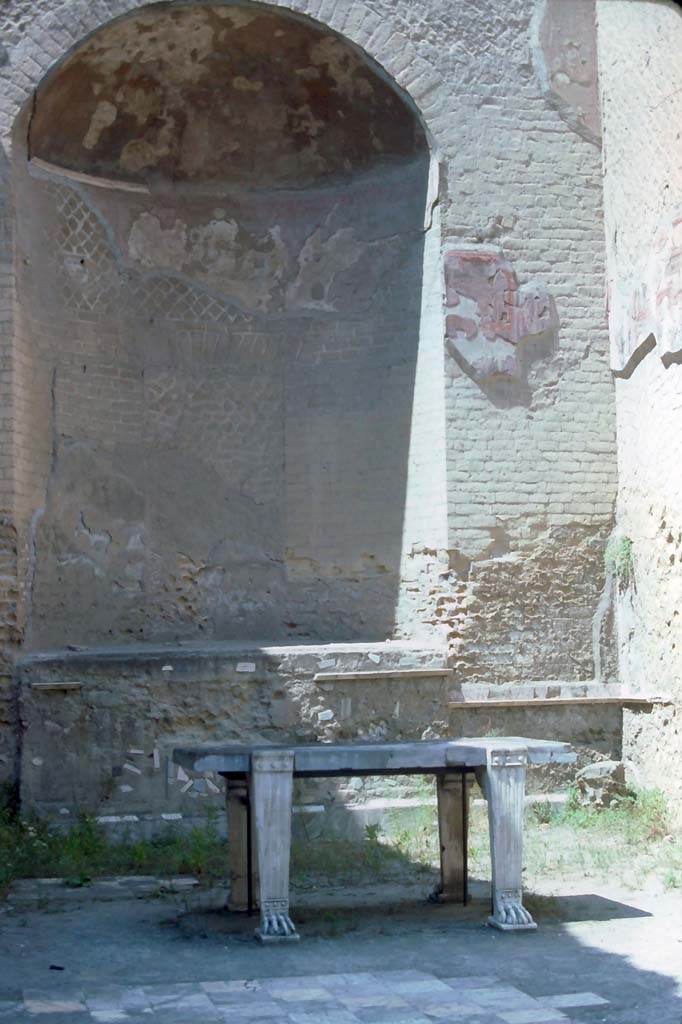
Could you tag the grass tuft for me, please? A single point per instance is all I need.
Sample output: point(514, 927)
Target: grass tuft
point(32, 849)
point(619, 559)
point(626, 843)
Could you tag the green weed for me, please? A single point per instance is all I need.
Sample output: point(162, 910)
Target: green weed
point(619, 559)
point(628, 842)
point(33, 849)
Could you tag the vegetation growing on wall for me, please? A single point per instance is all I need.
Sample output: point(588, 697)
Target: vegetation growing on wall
point(619, 560)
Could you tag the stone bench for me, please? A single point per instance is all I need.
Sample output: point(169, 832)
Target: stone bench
point(259, 784)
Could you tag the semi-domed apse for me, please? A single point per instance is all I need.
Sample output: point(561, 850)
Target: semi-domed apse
point(221, 94)
point(222, 317)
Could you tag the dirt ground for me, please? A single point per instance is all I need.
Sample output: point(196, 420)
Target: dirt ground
point(621, 944)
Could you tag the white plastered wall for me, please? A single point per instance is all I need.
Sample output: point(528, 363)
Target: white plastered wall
point(640, 44)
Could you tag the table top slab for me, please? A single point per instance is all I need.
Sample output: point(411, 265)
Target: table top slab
point(475, 750)
point(426, 755)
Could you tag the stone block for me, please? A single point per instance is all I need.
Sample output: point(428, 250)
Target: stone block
point(602, 784)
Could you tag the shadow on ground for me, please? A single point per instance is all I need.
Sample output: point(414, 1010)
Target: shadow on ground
point(626, 948)
point(381, 908)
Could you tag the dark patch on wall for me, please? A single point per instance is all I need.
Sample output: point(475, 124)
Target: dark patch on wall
point(642, 350)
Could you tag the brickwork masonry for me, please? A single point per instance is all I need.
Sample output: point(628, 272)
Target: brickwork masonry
point(508, 465)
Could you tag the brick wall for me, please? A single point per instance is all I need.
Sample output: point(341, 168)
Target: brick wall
point(8, 533)
point(531, 458)
point(508, 428)
point(641, 81)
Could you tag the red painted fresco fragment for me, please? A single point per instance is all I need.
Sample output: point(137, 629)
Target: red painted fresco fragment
point(488, 315)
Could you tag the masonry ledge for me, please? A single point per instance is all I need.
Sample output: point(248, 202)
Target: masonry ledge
point(72, 668)
point(623, 700)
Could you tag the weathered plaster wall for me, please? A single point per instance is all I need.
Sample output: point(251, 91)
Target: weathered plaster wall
point(507, 90)
point(531, 449)
point(124, 703)
point(231, 371)
point(567, 65)
point(641, 81)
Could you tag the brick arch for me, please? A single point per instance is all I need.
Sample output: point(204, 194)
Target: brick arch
point(53, 35)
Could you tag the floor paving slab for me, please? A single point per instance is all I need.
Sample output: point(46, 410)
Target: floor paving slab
point(391, 997)
point(573, 999)
point(608, 956)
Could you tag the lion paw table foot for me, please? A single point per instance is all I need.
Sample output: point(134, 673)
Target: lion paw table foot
point(276, 925)
point(494, 923)
point(503, 781)
point(510, 915)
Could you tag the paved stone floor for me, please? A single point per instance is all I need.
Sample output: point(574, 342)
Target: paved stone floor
point(403, 997)
point(378, 955)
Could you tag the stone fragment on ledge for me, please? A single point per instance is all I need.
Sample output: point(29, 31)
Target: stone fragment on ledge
point(601, 784)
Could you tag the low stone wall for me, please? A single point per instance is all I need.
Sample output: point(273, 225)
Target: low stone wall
point(99, 726)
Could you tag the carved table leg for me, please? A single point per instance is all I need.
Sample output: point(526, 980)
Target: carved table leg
point(503, 782)
point(453, 813)
point(271, 788)
point(243, 896)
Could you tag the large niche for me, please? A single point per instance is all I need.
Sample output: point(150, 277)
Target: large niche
point(219, 327)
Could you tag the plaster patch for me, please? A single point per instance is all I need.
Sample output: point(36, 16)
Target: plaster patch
point(104, 115)
point(489, 315)
point(138, 154)
point(151, 245)
point(565, 52)
point(246, 84)
point(645, 313)
point(238, 17)
point(223, 254)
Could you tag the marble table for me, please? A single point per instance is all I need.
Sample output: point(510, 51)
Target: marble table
point(259, 784)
